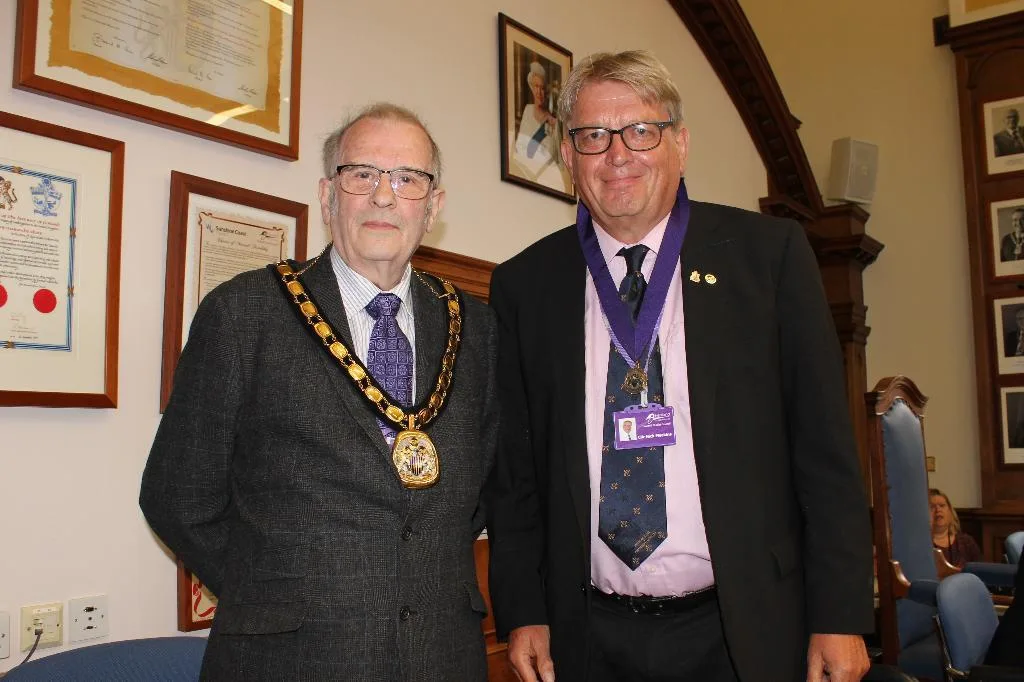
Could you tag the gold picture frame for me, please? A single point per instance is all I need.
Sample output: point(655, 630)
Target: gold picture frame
point(234, 77)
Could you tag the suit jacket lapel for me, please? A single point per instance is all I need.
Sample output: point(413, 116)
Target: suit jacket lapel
point(566, 324)
point(704, 256)
point(322, 285)
point(431, 320)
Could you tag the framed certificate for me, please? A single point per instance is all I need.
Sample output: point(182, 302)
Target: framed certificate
point(214, 232)
point(196, 604)
point(228, 71)
point(60, 260)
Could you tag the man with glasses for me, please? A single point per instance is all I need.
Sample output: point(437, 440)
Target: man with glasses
point(320, 461)
point(730, 540)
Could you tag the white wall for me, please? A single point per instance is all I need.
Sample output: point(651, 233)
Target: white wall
point(69, 478)
point(887, 83)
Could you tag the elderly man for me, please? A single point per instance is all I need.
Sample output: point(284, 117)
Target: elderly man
point(320, 461)
point(1010, 140)
point(730, 540)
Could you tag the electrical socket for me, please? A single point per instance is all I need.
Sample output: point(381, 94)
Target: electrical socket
point(87, 618)
point(50, 617)
point(5, 634)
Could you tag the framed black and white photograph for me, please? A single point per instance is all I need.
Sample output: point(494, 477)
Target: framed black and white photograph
point(1007, 223)
point(1013, 425)
point(532, 72)
point(1004, 135)
point(1008, 314)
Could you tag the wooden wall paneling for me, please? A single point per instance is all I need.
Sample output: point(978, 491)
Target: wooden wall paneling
point(990, 67)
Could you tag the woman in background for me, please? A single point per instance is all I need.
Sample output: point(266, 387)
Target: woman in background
point(959, 548)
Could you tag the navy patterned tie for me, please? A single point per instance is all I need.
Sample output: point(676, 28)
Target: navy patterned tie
point(389, 356)
point(631, 510)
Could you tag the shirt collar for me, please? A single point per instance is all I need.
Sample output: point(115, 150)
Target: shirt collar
point(364, 290)
point(610, 245)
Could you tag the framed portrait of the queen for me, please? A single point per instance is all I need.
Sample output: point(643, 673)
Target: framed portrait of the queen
point(532, 72)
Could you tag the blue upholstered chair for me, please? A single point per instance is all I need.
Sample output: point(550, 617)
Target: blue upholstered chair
point(907, 572)
point(967, 622)
point(159, 659)
point(1014, 545)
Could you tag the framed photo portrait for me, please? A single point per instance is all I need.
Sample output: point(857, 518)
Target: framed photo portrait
point(222, 70)
point(1013, 425)
point(1007, 223)
point(214, 232)
point(1004, 135)
point(60, 263)
point(1008, 314)
point(532, 72)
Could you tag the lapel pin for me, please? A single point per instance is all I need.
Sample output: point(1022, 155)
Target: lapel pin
point(695, 276)
point(710, 279)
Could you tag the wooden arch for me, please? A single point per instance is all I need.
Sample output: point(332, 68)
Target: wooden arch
point(723, 33)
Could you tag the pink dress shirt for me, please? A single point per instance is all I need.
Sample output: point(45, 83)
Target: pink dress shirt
point(682, 563)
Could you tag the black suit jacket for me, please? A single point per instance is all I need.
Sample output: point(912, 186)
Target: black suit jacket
point(270, 479)
point(781, 491)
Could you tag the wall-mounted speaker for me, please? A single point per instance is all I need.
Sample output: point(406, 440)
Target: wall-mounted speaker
point(854, 171)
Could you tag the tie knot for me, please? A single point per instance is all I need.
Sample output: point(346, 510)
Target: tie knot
point(634, 256)
point(383, 304)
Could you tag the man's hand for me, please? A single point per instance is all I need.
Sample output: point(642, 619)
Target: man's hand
point(530, 655)
point(836, 658)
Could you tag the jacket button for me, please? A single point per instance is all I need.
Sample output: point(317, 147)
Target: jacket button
point(407, 533)
point(405, 613)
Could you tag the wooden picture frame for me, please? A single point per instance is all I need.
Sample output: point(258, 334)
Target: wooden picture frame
point(532, 66)
point(214, 231)
point(196, 605)
point(61, 194)
point(234, 80)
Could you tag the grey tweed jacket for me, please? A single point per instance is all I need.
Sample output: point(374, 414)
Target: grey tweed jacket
point(270, 479)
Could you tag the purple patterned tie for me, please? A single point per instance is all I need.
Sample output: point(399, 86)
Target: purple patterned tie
point(389, 356)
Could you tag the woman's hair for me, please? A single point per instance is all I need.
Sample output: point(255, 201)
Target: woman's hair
point(638, 69)
point(955, 524)
point(536, 71)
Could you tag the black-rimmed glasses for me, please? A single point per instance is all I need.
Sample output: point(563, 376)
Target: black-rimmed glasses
point(407, 183)
point(639, 137)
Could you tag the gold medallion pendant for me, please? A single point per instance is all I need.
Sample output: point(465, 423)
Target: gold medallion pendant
point(636, 381)
point(415, 459)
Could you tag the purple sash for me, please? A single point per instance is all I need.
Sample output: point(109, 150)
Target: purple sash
point(639, 337)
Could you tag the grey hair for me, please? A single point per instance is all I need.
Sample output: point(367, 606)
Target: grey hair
point(639, 69)
point(384, 111)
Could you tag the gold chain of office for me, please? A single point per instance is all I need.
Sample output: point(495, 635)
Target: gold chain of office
point(415, 458)
point(359, 374)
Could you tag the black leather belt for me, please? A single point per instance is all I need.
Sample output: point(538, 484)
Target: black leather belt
point(655, 605)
